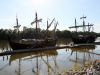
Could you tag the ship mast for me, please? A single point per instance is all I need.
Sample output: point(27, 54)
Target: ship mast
point(36, 27)
point(47, 30)
point(54, 35)
point(36, 24)
point(83, 24)
point(89, 25)
point(75, 27)
point(17, 27)
point(48, 26)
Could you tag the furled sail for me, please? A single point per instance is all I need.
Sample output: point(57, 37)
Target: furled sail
point(40, 20)
point(17, 26)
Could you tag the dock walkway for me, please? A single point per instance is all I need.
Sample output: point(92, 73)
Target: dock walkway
point(46, 48)
point(36, 49)
point(84, 44)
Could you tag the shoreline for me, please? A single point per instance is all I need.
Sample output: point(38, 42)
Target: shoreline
point(90, 68)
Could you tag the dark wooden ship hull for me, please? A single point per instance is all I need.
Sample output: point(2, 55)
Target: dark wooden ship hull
point(45, 43)
point(50, 42)
point(84, 39)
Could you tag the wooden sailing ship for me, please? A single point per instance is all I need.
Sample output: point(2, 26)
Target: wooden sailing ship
point(53, 40)
point(42, 43)
point(83, 38)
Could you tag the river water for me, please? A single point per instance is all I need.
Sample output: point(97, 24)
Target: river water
point(47, 62)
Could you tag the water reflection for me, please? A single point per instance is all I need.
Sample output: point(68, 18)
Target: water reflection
point(82, 54)
point(84, 48)
point(36, 56)
point(47, 62)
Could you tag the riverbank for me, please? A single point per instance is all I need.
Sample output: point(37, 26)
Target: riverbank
point(90, 68)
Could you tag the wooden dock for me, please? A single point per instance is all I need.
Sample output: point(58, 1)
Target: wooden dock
point(84, 44)
point(46, 48)
point(36, 49)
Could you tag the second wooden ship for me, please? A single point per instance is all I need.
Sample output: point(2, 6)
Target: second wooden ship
point(83, 38)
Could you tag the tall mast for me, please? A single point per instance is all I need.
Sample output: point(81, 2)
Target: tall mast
point(51, 23)
point(36, 27)
point(17, 26)
point(88, 27)
point(36, 24)
point(75, 27)
point(83, 24)
point(48, 26)
point(54, 35)
point(47, 30)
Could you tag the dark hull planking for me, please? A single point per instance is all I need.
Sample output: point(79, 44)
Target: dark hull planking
point(45, 43)
point(88, 39)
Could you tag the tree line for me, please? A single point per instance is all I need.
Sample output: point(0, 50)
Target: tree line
point(31, 33)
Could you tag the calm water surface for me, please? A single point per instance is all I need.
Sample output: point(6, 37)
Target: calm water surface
point(45, 62)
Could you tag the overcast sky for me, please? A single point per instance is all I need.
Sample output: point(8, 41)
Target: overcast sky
point(64, 11)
